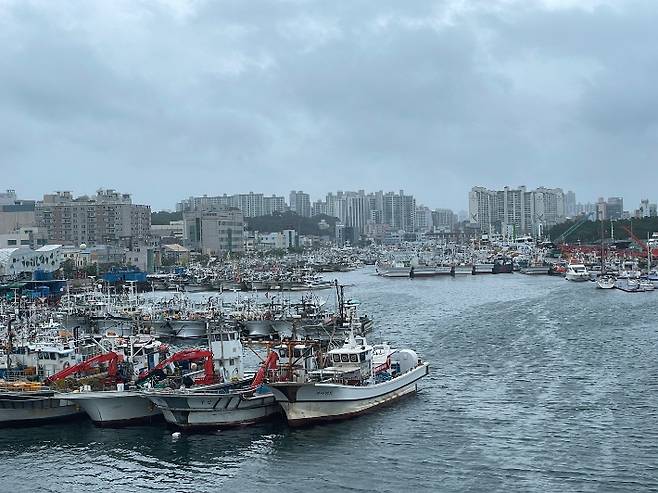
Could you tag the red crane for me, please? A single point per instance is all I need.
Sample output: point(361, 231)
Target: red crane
point(270, 363)
point(639, 242)
point(185, 355)
point(111, 358)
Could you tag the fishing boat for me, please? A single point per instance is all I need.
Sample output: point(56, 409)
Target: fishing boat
point(115, 407)
point(483, 268)
point(503, 266)
point(461, 269)
point(120, 406)
point(234, 401)
point(393, 268)
point(28, 403)
point(605, 281)
point(361, 377)
point(628, 284)
point(577, 273)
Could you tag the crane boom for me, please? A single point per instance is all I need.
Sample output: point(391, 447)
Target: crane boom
point(270, 363)
point(184, 355)
point(111, 358)
point(639, 242)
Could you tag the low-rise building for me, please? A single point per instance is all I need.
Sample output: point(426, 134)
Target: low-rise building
point(175, 254)
point(28, 236)
point(174, 229)
point(21, 260)
point(15, 214)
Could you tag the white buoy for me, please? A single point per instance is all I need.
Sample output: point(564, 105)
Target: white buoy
point(175, 434)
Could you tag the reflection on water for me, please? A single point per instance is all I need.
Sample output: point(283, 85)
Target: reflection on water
point(536, 385)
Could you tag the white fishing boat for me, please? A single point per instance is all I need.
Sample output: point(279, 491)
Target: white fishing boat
point(653, 277)
point(605, 281)
point(393, 269)
point(461, 269)
point(361, 377)
point(483, 268)
point(628, 284)
point(577, 273)
point(22, 404)
point(646, 285)
point(422, 271)
point(235, 401)
point(115, 407)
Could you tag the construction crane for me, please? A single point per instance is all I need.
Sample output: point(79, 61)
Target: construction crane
point(157, 372)
point(572, 229)
point(639, 242)
point(111, 358)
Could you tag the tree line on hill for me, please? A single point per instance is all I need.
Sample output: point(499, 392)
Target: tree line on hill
point(290, 220)
point(165, 217)
point(590, 231)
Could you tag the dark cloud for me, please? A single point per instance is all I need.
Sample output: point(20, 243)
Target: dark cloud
point(172, 98)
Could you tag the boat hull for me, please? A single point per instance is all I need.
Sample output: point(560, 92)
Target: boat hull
point(576, 277)
point(535, 270)
point(116, 408)
point(19, 410)
point(483, 269)
point(188, 329)
point(309, 403)
point(215, 410)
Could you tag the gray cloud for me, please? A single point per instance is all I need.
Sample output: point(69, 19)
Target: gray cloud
point(172, 98)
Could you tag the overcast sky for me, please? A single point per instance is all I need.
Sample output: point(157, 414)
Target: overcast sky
point(166, 99)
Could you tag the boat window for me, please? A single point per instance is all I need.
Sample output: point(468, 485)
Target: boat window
point(336, 358)
point(283, 353)
point(363, 356)
point(345, 358)
point(297, 353)
point(354, 358)
point(224, 337)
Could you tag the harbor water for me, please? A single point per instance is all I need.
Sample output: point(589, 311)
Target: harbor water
point(536, 384)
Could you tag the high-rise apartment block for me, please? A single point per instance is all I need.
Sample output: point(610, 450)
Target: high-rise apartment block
point(615, 208)
point(251, 204)
point(107, 218)
point(514, 211)
point(300, 203)
point(399, 211)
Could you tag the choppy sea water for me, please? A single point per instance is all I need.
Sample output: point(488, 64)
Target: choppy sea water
point(536, 384)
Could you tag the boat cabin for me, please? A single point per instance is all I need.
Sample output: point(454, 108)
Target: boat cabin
point(351, 363)
point(296, 360)
point(227, 354)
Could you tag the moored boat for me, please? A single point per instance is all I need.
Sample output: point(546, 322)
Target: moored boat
point(23, 404)
point(361, 377)
point(115, 407)
point(605, 281)
point(577, 273)
point(234, 401)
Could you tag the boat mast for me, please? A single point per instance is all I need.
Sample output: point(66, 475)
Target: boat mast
point(602, 262)
point(648, 255)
